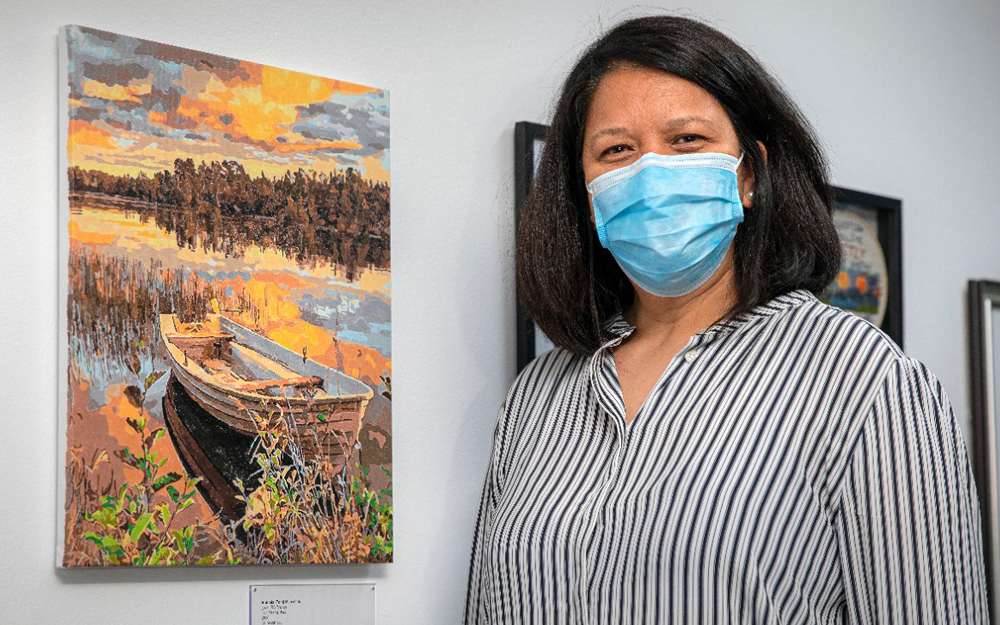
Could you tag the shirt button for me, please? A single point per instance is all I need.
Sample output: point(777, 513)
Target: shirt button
point(691, 354)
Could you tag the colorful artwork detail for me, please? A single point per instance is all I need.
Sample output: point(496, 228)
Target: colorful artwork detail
point(861, 286)
point(226, 282)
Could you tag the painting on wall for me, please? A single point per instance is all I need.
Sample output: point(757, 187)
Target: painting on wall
point(870, 281)
point(225, 359)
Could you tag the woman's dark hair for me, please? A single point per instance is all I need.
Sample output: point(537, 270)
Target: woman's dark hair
point(570, 285)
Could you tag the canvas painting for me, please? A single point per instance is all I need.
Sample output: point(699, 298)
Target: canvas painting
point(226, 362)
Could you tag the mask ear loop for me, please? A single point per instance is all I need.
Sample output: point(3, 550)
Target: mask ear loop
point(750, 192)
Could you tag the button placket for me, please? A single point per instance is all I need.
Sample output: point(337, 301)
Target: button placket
point(603, 491)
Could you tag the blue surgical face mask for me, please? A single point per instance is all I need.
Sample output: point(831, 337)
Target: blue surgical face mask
point(669, 220)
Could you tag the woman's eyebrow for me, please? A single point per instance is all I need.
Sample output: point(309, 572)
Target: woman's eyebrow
point(680, 122)
point(607, 131)
point(673, 124)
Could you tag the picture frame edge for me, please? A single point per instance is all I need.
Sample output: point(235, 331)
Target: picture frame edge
point(982, 431)
point(525, 135)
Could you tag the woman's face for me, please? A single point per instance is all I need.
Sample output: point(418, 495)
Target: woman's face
point(636, 110)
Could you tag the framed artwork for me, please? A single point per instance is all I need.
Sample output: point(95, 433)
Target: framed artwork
point(225, 336)
point(984, 350)
point(870, 281)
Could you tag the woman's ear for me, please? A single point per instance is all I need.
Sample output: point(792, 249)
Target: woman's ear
point(749, 179)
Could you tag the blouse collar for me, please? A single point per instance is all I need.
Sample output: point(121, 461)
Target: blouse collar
point(620, 329)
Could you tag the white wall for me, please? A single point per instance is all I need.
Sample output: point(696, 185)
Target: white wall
point(904, 95)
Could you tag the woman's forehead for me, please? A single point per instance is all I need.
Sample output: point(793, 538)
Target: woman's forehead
point(630, 95)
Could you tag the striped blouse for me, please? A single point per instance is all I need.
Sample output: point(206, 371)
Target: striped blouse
point(791, 465)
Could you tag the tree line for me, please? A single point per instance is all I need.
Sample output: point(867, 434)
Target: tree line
point(337, 216)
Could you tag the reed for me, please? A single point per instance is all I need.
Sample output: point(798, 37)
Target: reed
point(114, 304)
point(307, 511)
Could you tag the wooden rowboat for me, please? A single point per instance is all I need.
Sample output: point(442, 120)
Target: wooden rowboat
point(233, 373)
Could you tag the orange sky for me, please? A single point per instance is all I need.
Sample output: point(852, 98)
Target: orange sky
point(136, 106)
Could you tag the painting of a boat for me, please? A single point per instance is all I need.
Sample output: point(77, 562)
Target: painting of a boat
point(226, 298)
point(233, 373)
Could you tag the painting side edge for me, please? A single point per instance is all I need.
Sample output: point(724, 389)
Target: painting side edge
point(62, 343)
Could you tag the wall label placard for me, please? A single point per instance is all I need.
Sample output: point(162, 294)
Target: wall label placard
point(312, 604)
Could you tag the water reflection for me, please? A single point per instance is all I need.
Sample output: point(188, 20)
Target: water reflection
point(210, 450)
point(205, 228)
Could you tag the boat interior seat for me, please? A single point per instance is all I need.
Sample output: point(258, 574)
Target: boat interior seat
point(260, 366)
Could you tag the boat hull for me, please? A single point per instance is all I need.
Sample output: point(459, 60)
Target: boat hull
point(319, 424)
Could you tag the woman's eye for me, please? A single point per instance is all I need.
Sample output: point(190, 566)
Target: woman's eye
point(615, 149)
point(688, 138)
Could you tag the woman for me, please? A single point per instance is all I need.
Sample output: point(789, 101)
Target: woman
point(710, 444)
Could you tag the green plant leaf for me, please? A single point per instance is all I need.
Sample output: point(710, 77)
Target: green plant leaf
point(110, 544)
point(165, 514)
point(158, 556)
point(162, 481)
point(107, 518)
point(140, 526)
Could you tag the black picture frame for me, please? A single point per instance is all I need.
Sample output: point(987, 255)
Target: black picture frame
point(984, 361)
point(886, 213)
point(528, 140)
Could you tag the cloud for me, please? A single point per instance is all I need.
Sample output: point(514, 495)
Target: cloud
point(85, 113)
point(227, 69)
point(364, 119)
point(111, 74)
